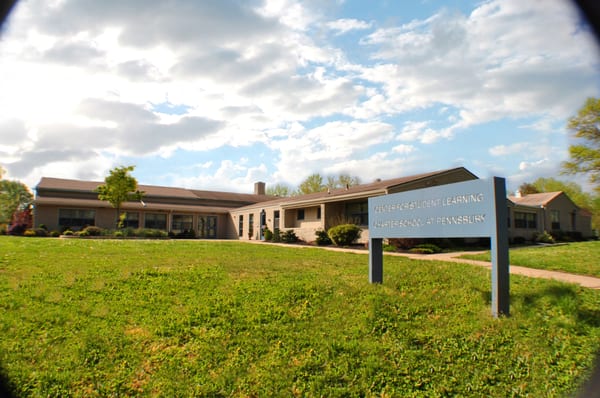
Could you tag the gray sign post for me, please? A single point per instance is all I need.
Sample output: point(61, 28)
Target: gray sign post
point(475, 208)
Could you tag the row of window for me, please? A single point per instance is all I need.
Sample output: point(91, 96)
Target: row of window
point(79, 218)
point(529, 220)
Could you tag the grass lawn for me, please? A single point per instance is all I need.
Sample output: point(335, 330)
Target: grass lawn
point(87, 318)
point(578, 258)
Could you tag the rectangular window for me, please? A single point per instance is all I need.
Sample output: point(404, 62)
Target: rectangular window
point(358, 212)
point(241, 226)
point(250, 224)
point(531, 220)
point(525, 220)
point(182, 222)
point(555, 219)
point(132, 220)
point(276, 220)
point(300, 214)
point(155, 221)
point(319, 213)
point(76, 218)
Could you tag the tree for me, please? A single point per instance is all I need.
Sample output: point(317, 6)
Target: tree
point(281, 190)
point(14, 196)
point(313, 183)
point(527, 188)
point(119, 187)
point(585, 156)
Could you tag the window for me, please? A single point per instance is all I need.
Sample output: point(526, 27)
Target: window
point(300, 214)
point(250, 224)
point(155, 221)
point(319, 213)
point(358, 212)
point(525, 220)
point(77, 218)
point(241, 226)
point(182, 222)
point(207, 227)
point(555, 219)
point(276, 220)
point(132, 220)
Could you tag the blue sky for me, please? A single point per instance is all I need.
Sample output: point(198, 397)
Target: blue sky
point(220, 94)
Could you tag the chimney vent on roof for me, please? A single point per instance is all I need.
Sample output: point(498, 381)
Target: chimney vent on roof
point(378, 180)
point(518, 194)
point(259, 188)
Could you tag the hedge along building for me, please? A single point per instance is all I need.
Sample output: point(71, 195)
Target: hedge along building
point(73, 204)
point(306, 214)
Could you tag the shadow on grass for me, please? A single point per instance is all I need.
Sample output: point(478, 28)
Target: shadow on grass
point(563, 297)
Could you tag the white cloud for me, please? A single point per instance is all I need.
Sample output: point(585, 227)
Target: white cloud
point(504, 150)
point(80, 81)
point(344, 25)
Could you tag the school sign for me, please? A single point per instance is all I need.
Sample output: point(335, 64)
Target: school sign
point(474, 208)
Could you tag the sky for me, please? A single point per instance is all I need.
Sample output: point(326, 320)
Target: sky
point(217, 95)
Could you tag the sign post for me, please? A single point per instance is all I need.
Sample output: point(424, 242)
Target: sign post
point(475, 208)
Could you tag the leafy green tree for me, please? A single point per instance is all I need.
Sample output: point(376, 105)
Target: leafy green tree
point(281, 190)
point(119, 186)
point(585, 156)
point(14, 196)
point(313, 183)
point(527, 188)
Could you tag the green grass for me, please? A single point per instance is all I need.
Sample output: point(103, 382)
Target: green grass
point(578, 258)
point(87, 318)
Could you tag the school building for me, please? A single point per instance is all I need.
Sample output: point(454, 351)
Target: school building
point(73, 204)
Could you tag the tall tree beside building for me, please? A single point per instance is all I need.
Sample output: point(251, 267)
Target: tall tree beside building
point(14, 196)
point(313, 183)
point(527, 188)
point(119, 186)
point(585, 155)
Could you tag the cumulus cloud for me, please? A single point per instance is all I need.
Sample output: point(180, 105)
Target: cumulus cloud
point(503, 150)
point(505, 59)
point(82, 80)
point(344, 25)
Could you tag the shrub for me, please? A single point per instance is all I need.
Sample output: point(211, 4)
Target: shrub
point(322, 238)
point(67, 232)
point(276, 235)
point(93, 231)
point(388, 248)
point(544, 237)
point(289, 236)
point(41, 232)
point(404, 243)
point(150, 233)
point(83, 233)
point(426, 248)
point(268, 234)
point(118, 234)
point(43, 226)
point(29, 233)
point(55, 234)
point(344, 234)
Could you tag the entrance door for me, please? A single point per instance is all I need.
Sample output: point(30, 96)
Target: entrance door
point(207, 227)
